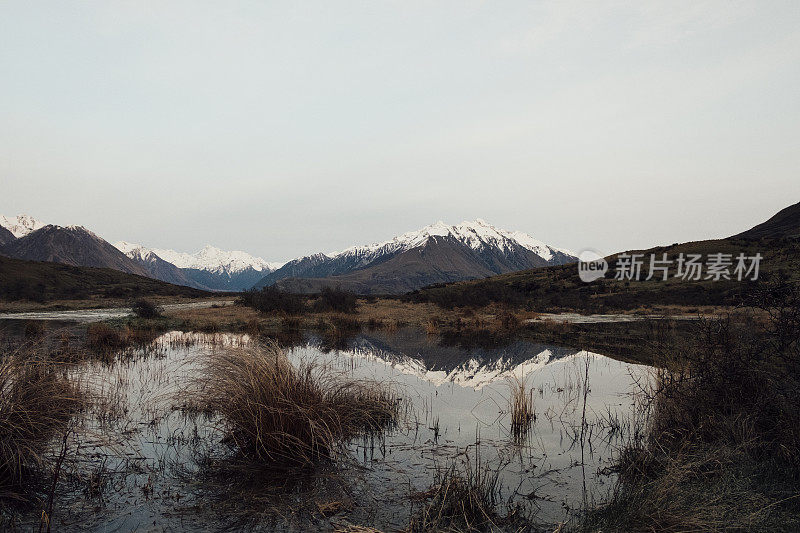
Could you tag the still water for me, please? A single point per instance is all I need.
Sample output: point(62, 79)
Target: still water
point(135, 460)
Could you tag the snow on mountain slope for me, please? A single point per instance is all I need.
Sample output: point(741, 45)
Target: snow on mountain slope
point(136, 251)
point(477, 234)
point(208, 269)
point(21, 225)
point(438, 253)
point(474, 372)
point(210, 259)
point(218, 261)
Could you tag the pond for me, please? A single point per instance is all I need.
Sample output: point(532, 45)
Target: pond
point(136, 460)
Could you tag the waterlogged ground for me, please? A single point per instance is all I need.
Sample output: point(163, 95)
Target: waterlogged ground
point(106, 313)
point(139, 459)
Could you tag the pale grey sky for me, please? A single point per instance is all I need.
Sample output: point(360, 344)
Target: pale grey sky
point(283, 128)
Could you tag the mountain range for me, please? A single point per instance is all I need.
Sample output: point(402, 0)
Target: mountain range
point(437, 253)
point(209, 269)
point(776, 241)
point(72, 245)
point(24, 237)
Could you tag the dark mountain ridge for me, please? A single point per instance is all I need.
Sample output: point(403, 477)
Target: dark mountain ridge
point(44, 281)
point(440, 259)
point(73, 245)
point(434, 254)
point(785, 224)
point(6, 236)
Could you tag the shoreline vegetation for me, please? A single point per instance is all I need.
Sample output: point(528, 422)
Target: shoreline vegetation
point(717, 440)
point(719, 446)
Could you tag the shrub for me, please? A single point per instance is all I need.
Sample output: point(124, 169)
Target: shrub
point(145, 309)
point(273, 300)
point(336, 300)
point(722, 445)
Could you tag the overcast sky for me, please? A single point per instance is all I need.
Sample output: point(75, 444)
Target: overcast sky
point(284, 128)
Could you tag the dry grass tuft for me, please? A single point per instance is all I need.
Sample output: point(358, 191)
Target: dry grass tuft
point(283, 416)
point(37, 400)
point(464, 499)
point(521, 407)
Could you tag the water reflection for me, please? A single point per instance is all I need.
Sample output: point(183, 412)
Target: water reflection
point(142, 450)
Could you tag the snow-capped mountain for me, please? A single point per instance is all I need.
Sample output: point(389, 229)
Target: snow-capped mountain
point(136, 251)
point(478, 235)
point(217, 261)
point(21, 225)
point(71, 245)
point(475, 368)
point(210, 268)
point(155, 266)
point(434, 254)
point(437, 253)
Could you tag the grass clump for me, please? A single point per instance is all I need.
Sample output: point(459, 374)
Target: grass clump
point(721, 447)
point(283, 416)
point(103, 337)
point(37, 400)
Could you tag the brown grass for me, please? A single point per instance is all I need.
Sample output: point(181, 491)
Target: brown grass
point(464, 498)
point(721, 446)
point(283, 416)
point(521, 407)
point(37, 400)
point(102, 337)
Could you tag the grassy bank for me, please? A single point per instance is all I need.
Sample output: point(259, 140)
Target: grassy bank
point(491, 326)
point(720, 448)
point(559, 288)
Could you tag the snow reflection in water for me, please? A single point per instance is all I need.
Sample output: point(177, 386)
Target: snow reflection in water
point(143, 449)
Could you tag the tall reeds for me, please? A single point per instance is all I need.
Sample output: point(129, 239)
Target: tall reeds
point(521, 407)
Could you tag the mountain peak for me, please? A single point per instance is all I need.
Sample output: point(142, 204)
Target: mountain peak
point(21, 225)
point(436, 253)
point(477, 234)
point(213, 259)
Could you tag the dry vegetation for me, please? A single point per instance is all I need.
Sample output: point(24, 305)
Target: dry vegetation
point(281, 416)
point(102, 337)
point(721, 448)
point(37, 400)
point(465, 497)
point(521, 407)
